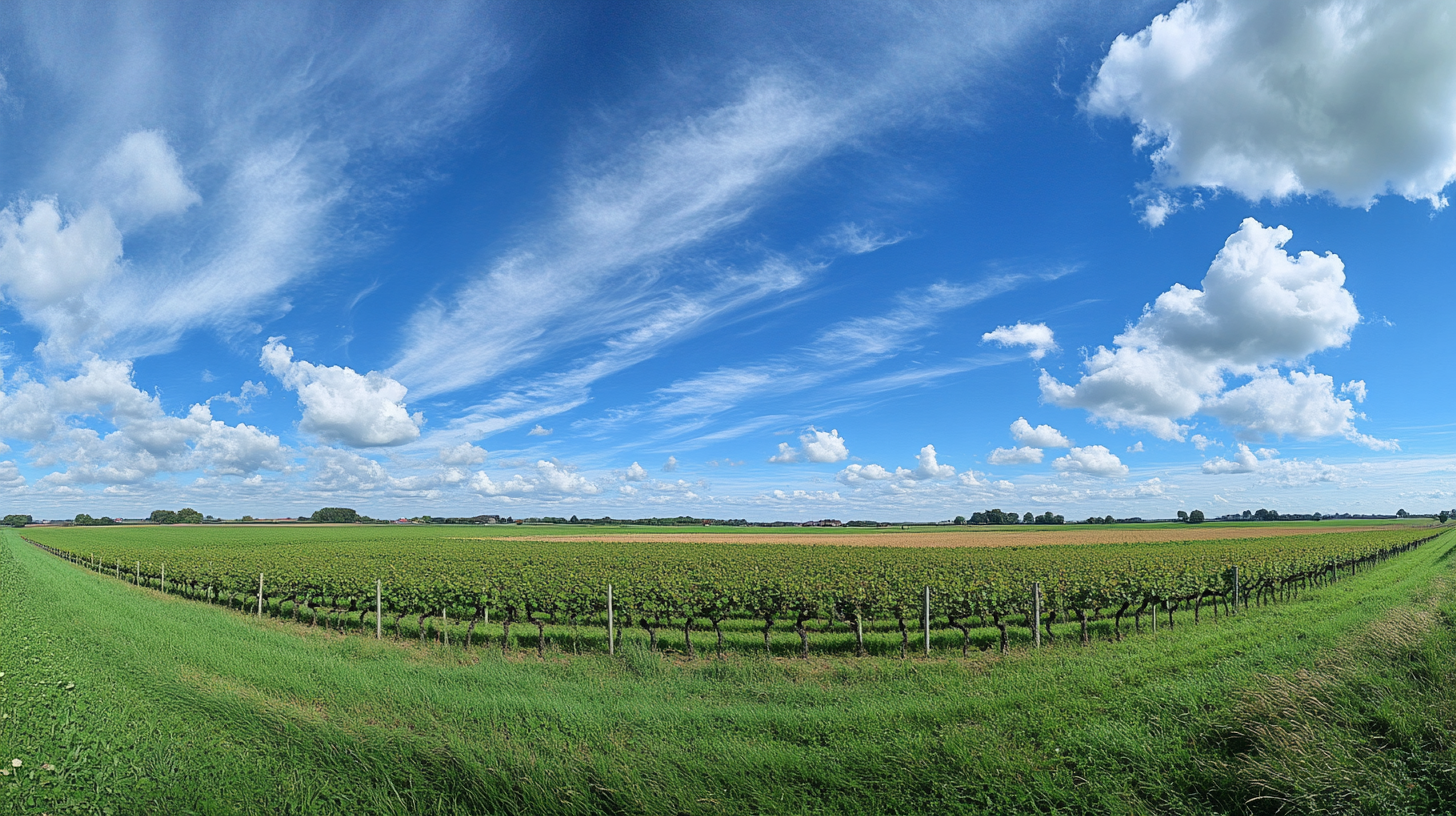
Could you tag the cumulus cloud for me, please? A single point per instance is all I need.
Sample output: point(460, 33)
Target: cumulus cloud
point(1297, 473)
point(1243, 461)
point(670, 465)
point(145, 441)
point(1202, 442)
point(463, 455)
point(1352, 99)
point(1303, 405)
point(246, 394)
point(47, 257)
point(539, 431)
point(1092, 460)
point(1259, 307)
point(635, 473)
point(1015, 456)
point(1036, 335)
point(1355, 390)
point(1042, 436)
point(814, 446)
point(856, 474)
point(142, 179)
point(341, 405)
point(1136, 447)
point(927, 467)
point(550, 479)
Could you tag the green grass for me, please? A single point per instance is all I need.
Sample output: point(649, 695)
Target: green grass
point(1343, 701)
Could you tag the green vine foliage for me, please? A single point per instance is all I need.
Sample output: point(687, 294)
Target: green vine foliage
point(655, 584)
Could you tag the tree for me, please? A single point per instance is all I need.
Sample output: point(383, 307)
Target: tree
point(84, 520)
point(188, 516)
point(574, 521)
point(247, 518)
point(335, 515)
point(1402, 514)
point(1443, 517)
point(959, 520)
point(1196, 517)
point(1109, 520)
point(163, 517)
point(1182, 515)
point(1028, 518)
point(18, 520)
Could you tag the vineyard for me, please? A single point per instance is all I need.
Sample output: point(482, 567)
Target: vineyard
point(478, 592)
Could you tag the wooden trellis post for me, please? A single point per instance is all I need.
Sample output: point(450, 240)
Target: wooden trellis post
point(1036, 613)
point(927, 621)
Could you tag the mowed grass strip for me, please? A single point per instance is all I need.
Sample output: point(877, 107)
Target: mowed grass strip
point(181, 707)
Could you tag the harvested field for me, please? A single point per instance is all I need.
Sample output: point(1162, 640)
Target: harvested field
point(1034, 536)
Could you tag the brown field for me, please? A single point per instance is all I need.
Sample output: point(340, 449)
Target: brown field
point(1012, 537)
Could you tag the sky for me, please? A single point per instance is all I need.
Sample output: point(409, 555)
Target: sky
point(728, 260)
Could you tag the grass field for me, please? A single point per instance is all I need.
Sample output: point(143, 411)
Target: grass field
point(1342, 702)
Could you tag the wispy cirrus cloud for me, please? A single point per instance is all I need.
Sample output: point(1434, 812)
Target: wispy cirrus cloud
point(194, 164)
point(619, 242)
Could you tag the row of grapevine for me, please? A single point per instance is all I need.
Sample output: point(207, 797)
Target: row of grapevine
point(693, 586)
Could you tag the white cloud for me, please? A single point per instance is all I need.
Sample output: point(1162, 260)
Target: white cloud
point(463, 455)
point(145, 442)
point(1302, 405)
point(539, 431)
point(342, 405)
point(550, 480)
point(670, 465)
point(787, 455)
point(10, 477)
point(1042, 436)
point(814, 446)
point(1243, 461)
point(1036, 335)
point(1355, 389)
point(47, 258)
point(635, 473)
point(1296, 473)
point(612, 253)
point(1136, 447)
point(1092, 460)
point(927, 467)
point(849, 345)
point(855, 474)
point(285, 174)
point(1258, 307)
point(246, 394)
point(142, 179)
point(1353, 99)
point(1015, 456)
point(1202, 442)
point(857, 240)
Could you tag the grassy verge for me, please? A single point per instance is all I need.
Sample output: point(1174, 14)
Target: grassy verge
point(1340, 702)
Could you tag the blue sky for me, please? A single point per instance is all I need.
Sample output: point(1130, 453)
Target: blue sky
point(734, 260)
